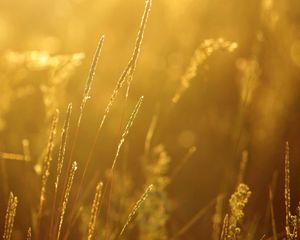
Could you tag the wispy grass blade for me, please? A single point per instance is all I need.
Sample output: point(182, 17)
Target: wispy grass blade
point(95, 211)
point(287, 194)
point(60, 162)
point(126, 131)
point(46, 167)
point(128, 72)
point(201, 54)
point(131, 65)
point(63, 144)
point(66, 198)
point(135, 209)
point(89, 81)
point(10, 216)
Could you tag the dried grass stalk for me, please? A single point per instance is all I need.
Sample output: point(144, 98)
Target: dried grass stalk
point(131, 65)
point(224, 233)
point(10, 216)
point(66, 197)
point(136, 208)
point(291, 224)
point(47, 161)
point(201, 54)
point(62, 148)
point(287, 194)
point(126, 131)
point(89, 81)
point(95, 210)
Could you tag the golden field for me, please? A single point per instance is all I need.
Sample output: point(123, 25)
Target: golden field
point(149, 120)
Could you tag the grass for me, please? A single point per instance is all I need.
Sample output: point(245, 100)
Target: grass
point(76, 201)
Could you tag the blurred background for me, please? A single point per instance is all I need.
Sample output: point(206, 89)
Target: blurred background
point(242, 100)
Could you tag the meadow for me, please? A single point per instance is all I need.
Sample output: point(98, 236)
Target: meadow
point(149, 120)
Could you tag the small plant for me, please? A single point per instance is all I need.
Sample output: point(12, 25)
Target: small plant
point(237, 202)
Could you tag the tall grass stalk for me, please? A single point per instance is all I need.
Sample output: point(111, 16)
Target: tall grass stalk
point(291, 221)
point(126, 74)
point(135, 209)
point(95, 211)
point(131, 65)
point(85, 98)
point(201, 54)
point(224, 233)
point(62, 148)
point(66, 198)
point(10, 216)
point(287, 194)
point(46, 168)
point(126, 131)
point(60, 162)
point(121, 142)
point(89, 81)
